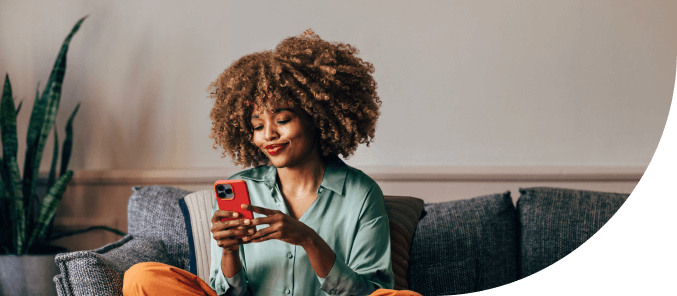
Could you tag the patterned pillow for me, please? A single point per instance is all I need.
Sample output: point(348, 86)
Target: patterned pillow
point(403, 213)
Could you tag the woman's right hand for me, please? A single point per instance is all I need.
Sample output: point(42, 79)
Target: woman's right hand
point(226, 233)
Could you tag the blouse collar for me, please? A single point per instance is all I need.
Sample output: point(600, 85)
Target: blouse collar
point(334, 174)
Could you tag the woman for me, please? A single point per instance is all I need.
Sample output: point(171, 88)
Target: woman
point(319, 226)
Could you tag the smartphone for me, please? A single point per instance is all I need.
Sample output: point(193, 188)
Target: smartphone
point(230, 195)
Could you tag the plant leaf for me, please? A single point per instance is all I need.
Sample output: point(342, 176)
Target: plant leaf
point(36, 115)
point(37, 118)
point(18, 205)
point(6, 216)
point(8, 121)
point(55, 158)
point(50, 182)
point(9, 149)
point(4, 177)
point(68, 142)
point(18, 108)
point(38, 129)
point(49, 206)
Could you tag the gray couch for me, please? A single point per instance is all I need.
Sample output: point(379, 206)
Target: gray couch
point(457, 247)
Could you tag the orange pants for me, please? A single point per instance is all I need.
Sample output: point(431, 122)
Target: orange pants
point(153, 278)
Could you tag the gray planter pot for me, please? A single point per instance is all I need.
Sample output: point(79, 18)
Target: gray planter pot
point(28, 275)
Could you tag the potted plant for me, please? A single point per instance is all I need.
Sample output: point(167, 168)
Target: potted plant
point(26, 217)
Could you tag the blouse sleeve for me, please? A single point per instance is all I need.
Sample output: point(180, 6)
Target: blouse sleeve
point(369, 265)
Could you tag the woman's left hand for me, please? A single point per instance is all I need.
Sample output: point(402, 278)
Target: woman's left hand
point(280, 226)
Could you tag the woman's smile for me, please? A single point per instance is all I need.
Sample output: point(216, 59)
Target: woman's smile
point(275, 149)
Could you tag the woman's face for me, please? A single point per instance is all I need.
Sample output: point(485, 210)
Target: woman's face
point(285, 135)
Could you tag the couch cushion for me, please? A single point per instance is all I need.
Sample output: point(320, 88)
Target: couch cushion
point(100, 271)
point(154, 212)
point(404, 212)
point(555, 221)
point(464, 246)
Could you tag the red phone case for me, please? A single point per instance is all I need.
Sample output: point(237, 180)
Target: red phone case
point(240, 196)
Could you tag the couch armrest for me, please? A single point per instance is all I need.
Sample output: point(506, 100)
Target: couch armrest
point(100, 271)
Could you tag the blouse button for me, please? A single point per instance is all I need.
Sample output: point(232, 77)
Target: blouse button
point(320, 190)
point(333, 292)
point(288, 291)
point(289, 255)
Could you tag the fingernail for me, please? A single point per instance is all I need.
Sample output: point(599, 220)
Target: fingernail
point(245, 238)
point(235, 214)
point(251, 231)
point(246, 221)
point(241, 227)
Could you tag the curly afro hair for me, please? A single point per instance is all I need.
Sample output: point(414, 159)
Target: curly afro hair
point(325, 79)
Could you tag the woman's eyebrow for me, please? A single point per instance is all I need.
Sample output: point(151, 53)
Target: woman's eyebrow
point(282, 109)
point(256, 116)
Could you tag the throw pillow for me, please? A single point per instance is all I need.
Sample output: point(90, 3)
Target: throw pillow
point(403, 214)
point(100, 271)
point(197, 212)
point(555, 221)
point(464, 246)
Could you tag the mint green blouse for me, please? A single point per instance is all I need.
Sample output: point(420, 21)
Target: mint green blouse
point(349, 214)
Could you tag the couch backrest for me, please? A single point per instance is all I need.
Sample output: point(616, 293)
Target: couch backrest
point(154, 212)
point(476, 244)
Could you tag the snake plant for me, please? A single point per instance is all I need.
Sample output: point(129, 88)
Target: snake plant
point(26, 218)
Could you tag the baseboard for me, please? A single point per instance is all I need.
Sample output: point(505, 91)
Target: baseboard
point(400, 174)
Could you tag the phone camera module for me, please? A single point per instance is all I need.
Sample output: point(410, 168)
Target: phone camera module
point(224, 191)
point(221, 191)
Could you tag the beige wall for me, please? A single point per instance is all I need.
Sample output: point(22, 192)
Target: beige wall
point(500, 86)
point(463, 83)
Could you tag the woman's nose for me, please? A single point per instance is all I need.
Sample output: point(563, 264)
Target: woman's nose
point(270, 132)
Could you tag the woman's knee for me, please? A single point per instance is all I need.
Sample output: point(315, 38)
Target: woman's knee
point(140, 274)
point(140, 268)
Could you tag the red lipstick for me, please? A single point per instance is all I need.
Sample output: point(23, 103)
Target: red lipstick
point(275, 149)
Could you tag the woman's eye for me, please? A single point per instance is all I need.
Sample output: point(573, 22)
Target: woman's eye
point(256, 128)
point(283, 121)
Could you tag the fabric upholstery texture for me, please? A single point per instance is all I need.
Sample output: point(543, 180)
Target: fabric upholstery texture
point(197, 211)
point(60, 285)
point(465, 246)
point(457, 247)
point(100, 271)
point(555, 221)
point(404, 212)
point(153, 212)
